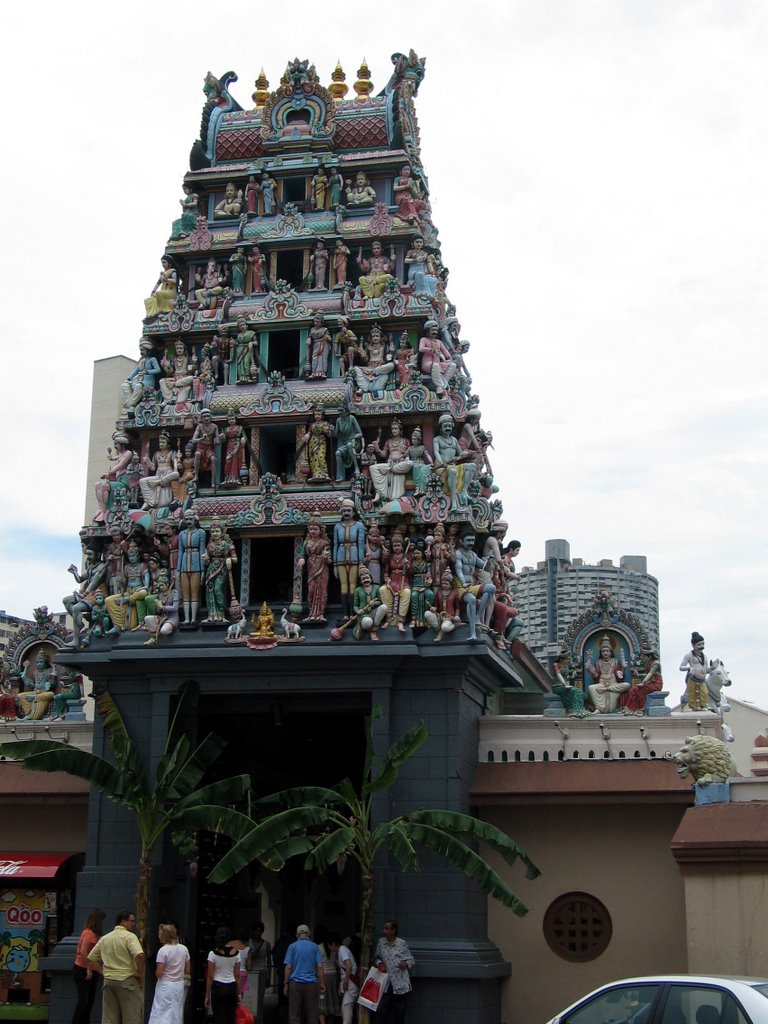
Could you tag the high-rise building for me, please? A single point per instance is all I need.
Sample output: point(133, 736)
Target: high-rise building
point(560, 588)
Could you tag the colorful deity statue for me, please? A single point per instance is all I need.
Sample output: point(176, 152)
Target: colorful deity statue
point(389, 476)
point(407, 194)
point(244, 365)
point(204, 441)
point(609, 675)
point(421, 269)
point(143, 377)
point(694, 664)
point(190, 208)
point(93, 582)
point(436, 361)
point(163, 296)
point(127, 609)
point(477, 597)
point(319, 189)
point(316, 557)
point(376, 270)
point(268, 187)
point(341, 256)
point(210, 284)
point(346, 347)
point(348, 552)
point(422, 593)
point(157, 486)
point(572, 696)
point(320, 345)
point(237, 270)
point(318, 264)
point(642, 685)
point(349, 443)
point(361, 193)
point(398, 573)
point(231, 204)
point(116, 483)
point(39, 685)
point(162, 609)
point(218, 558)
point(191, 564)
point(451, 463)
point(235, 441)
point(252, 190)
point(316, 441)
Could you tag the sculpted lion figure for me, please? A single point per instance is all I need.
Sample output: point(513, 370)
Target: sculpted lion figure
point(705, 759)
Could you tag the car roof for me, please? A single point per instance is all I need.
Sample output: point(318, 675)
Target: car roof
point(744, 979)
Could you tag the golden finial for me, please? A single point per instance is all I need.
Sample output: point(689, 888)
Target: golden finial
point(337, 88)
point(261, 95)
point(363, 86)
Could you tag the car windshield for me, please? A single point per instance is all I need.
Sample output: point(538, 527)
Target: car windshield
point(762, 989)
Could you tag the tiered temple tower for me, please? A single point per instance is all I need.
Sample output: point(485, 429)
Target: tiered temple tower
point(300, 442)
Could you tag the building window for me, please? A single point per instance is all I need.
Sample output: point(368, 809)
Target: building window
point(577, 927)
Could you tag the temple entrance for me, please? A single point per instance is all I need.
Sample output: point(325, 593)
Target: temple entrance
point(272, 571)
point(281, 740)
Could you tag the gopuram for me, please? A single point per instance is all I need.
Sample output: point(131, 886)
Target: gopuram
point(298, 512)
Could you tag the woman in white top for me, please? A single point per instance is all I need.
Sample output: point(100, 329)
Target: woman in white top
point(172, 973)
point(349, 984)
point(222, 979)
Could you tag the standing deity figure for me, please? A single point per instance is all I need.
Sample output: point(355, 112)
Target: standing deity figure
point(348, 553)
point(608, 674)
point(421, 269)
point(349, 443)
point(441, 552)
point(694, 664)
point(8, 692)
point(421, 462)
point(377, 349)
point(407, 195)
point(651, 682)
point(436, 361)
point(259, 281)
point(142, 378)
point(180, 378)
point(117, 481)
point(35, 699)
point(156, 488)
point(335, 187)
point(93, 582)
point(190, 208)
point(244, 363)
point(422, 593)
point(114, 557)
point(218, 558)
point(346, 347)
point(374, 552)
point(204, 439)
point(362, 192)
point(320, 345)
point(231, 204)
point(237, 270)
point(477, 597)
point(456, 475)
point(268, 187)
point(396, 591)
point(252, 190)
point(126, 610)
point(316, 442)
point(235, 443)
point(376, 271)
point(163, 297)
point(319, 189)
point(191, 564)
point(389, 476)
point(318, 266)
point(210, 284)
point(405, 360)
point(341, 256)
point(444, 613)
point(316, 556)
point(162, 616)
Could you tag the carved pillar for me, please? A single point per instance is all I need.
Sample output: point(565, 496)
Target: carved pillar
point(253, 466)
point(245, 571)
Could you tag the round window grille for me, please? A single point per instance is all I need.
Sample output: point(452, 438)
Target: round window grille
point(577, 927)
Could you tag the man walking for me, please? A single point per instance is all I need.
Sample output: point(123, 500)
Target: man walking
point(119, 957)
point(303, 978)
point(394, 957)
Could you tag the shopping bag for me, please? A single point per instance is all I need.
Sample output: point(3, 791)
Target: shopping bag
point(374, 987)
point(243, 1015)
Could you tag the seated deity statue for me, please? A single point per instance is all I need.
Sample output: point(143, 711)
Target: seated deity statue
point(361, 193)
point(231, 204)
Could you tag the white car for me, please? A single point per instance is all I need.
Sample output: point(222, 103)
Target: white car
point(673, 999)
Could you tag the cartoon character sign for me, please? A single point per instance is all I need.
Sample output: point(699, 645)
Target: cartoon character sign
point(23, 918)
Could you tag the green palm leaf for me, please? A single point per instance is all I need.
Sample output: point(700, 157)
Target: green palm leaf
point(398, 754)
point(261, 839)
point(120, 743)
point(54, 756)
point(191, 772)
point(469, 862)
point(464, 824)
point(225, 791)
point(396, 838)
point(300, 796)
point(213, 818)
point(330, 848)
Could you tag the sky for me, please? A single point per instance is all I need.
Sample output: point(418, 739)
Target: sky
point(598, 175)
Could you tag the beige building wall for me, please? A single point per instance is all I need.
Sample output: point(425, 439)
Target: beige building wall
point(49, 825)
point(747, 721)
point(106, 406)
point(727, 922)
point(618, 853)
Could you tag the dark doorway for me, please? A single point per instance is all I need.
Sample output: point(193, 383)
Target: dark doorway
point(277, 451)
point(283, 353)
point(294, 190)
point(271, 571)
point(290, 267)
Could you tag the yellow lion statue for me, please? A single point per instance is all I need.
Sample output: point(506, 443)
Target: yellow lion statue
point(706, 759)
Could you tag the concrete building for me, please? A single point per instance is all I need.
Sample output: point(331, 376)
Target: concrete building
point(9, 627)
point(560, 589)
point(106, 402)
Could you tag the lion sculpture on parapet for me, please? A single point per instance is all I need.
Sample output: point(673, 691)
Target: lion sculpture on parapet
point(706, 759)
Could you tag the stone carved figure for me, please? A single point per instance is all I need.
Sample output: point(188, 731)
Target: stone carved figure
point(444, 613)
point(341, 256)
point(235, 443)
point(205, 439)
point(318, 266)
point(117, 481)
point(316, 441)
point(376, 271)
point(185, 225)
point(571, 696)
point(407, 195)
point(268, 187)
point(320, 345)
point(252, 190)
point(70, 689)
point(450, 463)
point(368, 607)
point(210, 284)
point(93, 583)
point(608, 673)
point(348, 553)
point(374, 552)
point(143, 377)
point(651, 682)
point(259, 281)
point(361, 193)
point(35, 699)
point(421, 461)
point(191, 564)
point(157, 487)
point(398, 573)
point(422, 593)
point(181, 376)
point(231, 204)
point(388, 477)
point(163, 296)
point(316, 557)
point(335, 187)
point(694, 664)
point(127, 610)
point(476, 597)
point(244, 365)
point(706, 759)
point(237, 270)
point(319, 189)
point(349, 444)
point(436, 360)
point(421, 270)
point(346, 347)
point(218, 559)
point(162, 615)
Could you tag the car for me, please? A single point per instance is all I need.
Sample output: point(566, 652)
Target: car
point(673, 999)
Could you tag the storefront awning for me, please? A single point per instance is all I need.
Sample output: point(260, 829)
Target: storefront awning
point(31, 865)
